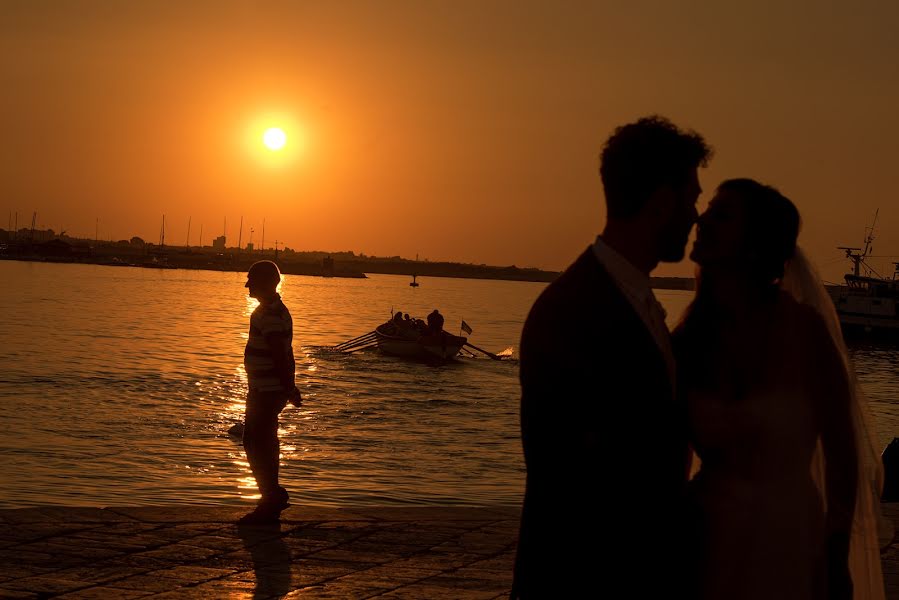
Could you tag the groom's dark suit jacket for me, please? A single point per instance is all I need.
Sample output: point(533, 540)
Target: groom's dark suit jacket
point(604, 443)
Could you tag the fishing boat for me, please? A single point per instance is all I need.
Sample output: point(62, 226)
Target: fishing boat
point(867, 303)
point(410, 341)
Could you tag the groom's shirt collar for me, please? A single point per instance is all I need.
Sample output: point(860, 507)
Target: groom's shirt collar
point(636, 287)
point(629, 278)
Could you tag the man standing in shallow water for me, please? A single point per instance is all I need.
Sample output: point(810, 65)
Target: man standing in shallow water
point(270, 366)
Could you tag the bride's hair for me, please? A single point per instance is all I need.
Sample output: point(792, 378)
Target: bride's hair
point(770, 229)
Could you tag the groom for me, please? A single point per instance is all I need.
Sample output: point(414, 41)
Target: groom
point(604, 440)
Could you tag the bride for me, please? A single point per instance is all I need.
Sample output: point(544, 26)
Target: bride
point(785, 501)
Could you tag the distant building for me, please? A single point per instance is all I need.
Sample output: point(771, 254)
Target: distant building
point(219, 243)
point(249, 246)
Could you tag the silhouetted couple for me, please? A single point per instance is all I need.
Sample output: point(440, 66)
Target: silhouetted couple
point(754, 387)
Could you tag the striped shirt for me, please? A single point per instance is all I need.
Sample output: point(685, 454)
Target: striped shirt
point(269, 323)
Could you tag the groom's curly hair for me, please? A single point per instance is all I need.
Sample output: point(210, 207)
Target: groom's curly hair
point(642, 156)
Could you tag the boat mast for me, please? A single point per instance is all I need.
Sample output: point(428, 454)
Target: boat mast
point(856, 255)
point(869, 237)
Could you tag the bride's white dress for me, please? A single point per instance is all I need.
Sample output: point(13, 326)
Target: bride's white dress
point(760, 514)
point(757, 498)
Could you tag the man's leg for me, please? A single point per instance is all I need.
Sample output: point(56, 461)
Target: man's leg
point(260, 440)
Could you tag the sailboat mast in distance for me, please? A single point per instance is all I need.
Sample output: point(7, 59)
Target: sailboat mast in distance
point(201, 235)
point(187, 244)
point(240, 234)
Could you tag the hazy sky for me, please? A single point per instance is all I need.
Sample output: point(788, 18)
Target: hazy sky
point(464, 131)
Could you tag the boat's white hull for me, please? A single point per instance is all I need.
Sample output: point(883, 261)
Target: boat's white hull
point(864, 312)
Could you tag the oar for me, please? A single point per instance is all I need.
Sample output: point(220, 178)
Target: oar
point(468, 352)
point(363, 339)
point(355, 339)
point(365, 347)
point(490, 354)
point(354, 342)
point(357, 345)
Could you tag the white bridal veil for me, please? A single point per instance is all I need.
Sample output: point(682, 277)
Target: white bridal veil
point(869, 528)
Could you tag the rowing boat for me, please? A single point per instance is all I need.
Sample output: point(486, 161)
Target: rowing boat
point(408, 341)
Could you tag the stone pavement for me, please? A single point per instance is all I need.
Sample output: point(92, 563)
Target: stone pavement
point(415, 553)
point(198, 552)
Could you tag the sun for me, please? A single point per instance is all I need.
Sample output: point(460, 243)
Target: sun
point(274, 138)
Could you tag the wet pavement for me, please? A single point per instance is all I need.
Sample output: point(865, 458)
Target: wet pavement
point(413, 553)
point(198, 552)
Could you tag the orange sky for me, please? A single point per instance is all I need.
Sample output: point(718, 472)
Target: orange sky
point(464, 131)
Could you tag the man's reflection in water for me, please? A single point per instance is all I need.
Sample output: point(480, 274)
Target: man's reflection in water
point(271, 559)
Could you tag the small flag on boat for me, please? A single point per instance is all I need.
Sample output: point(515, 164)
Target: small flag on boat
point(466, 328)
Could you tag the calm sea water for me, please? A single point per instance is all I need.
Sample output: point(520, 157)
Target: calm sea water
point(118, 386)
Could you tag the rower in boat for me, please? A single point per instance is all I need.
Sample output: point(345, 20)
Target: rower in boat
point(435, 322)
point(414, 338)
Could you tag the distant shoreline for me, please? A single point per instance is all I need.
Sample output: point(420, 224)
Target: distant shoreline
point(47, 246)
point(354, 269)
